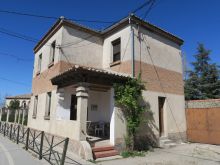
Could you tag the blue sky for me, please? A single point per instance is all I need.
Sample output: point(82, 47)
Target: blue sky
point(194, 21)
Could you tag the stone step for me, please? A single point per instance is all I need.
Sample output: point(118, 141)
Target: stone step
point(103, 148)
point(166, 143)
point(170, 145)
point(104, 154)
point(104, 151)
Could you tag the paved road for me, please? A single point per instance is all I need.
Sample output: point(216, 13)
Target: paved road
point(13, 154)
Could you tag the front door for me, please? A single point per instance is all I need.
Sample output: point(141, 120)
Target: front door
point(161, 101)
point(73, 108)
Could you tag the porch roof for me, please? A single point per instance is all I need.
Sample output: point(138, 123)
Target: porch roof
point(77, 74)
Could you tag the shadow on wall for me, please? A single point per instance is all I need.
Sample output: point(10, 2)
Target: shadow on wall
point(146, 138)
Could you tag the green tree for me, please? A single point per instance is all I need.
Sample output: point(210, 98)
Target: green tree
point(203, 81)
point(129, 98)
point(14, 105)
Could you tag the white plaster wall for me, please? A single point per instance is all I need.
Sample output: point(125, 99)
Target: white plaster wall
point(85, 49)
point(61, 127)
point(124, 34)
point(164, 53)
point(174, 111)
point(60, 123)
point(102, 99)
point(64, 102)
point(45, 50)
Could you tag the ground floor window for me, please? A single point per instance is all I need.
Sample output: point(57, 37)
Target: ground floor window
point(35, 106)
point(48, 105)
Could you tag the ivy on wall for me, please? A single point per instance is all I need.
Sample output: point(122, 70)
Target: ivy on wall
point(129, 98)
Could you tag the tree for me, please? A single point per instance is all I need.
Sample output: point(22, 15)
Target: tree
point(13, 106)
point(203, 81)
point(129, 98)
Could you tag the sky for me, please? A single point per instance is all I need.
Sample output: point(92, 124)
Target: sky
point(192, 20)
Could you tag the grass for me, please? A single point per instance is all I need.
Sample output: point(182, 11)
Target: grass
point(126, 154)
point(92, 161)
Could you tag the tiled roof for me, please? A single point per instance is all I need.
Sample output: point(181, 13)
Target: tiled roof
point(78, 67)
point(62, 21)
point(24, 96)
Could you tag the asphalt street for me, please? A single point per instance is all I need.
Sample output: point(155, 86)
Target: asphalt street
point(13, 154)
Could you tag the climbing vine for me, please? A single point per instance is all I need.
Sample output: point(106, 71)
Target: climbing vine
point(129, 98)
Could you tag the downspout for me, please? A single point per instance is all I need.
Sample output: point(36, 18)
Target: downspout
point(132, 48)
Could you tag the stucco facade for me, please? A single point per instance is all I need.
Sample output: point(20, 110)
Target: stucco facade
point(157, 56)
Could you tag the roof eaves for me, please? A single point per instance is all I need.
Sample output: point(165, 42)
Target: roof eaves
point(158, 30)
point(78, 67)
point(144, 23)
point(58, 24)
point(24, 96)
point(48, 34)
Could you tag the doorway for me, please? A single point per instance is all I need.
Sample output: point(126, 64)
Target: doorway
point(161, 102)
point(73, 108)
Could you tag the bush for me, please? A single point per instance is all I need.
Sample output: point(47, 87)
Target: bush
point(126, 154)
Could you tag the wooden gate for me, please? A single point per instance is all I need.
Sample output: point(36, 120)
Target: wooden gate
point(203, 125)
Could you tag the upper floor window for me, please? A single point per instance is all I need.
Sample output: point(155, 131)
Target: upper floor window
point(39, 63)
point(116, 46)
point(52, 53)
point(35, 106)
point(48, 106)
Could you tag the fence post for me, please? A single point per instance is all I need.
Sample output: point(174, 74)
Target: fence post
point(10, 131)
point(17, 139)
point(64, 151)
point(41, 145)
point(27, 139)
point(34, 139)
point(51, 147)
point(4, 128)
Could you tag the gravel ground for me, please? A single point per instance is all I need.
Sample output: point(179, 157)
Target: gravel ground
point(183, 154)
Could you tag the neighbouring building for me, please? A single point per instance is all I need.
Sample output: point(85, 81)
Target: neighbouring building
point(21, 114)
point(74, 71)
point(24, 100)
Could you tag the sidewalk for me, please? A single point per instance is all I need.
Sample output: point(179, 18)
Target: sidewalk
point(13, 154)
point(184, 154)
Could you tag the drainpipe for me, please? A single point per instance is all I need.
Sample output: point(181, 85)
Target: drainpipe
point(132, 47)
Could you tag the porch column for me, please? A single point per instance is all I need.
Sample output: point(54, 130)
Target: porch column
point(19, 115)
point(7, 115)
point(112, 117)
point(16, 115)
point(23, 115)
point(82, 104)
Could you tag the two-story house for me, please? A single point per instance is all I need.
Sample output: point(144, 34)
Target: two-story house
point(75, 68)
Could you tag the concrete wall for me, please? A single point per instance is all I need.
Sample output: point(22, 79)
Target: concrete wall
point(210, 103)
point(55, 126)
point(124, 35)
point(153, 49)
point(45, 51)
point(160, 62)
point(59, 122)
point(174, 115)
point(81, 48)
